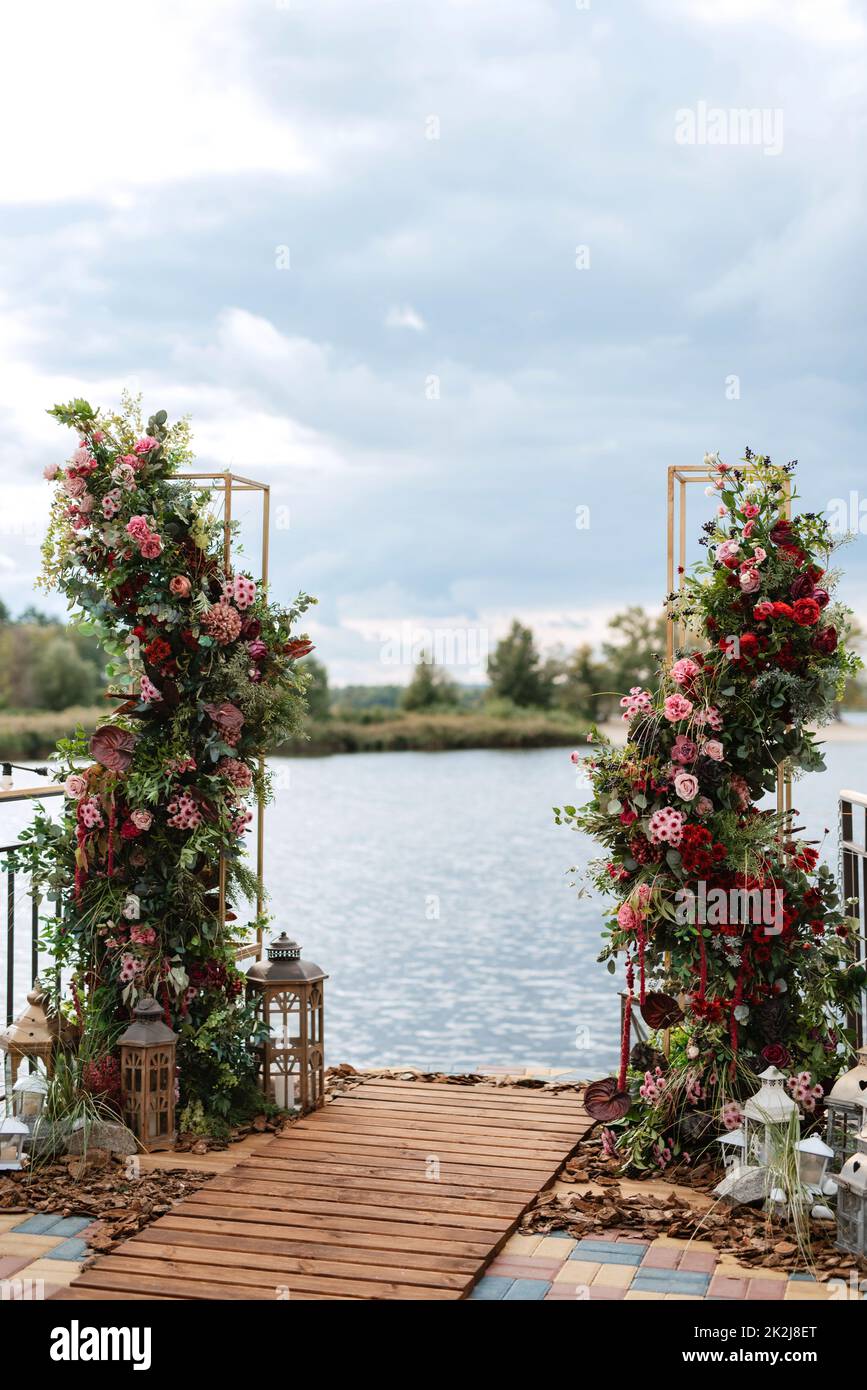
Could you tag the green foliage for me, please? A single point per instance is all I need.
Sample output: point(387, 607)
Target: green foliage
point(430, 687)
point(515, 670)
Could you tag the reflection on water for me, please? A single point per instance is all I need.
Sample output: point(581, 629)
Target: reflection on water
point(434, 888)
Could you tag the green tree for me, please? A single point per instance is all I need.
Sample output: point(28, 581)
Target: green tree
point(429, 688)
point(515, 670)
point(63, 676)
point(317, 693)
point(628, 655)
point(580, 683)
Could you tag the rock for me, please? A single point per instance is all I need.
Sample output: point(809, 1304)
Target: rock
point(822, 1213)
point(743, 1185)
point(101, 1134)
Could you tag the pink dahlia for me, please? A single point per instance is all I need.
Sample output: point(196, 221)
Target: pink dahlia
point(223, 623)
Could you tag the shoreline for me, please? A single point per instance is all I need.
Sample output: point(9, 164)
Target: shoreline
point(33, 736)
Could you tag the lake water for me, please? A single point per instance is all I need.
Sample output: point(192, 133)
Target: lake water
point(434, 888)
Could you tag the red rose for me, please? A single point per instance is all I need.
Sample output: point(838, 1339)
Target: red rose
point(802, 587)
point(825, 641)
point(822, 597)
point(749, 646)
point(628, 816)
point(128, 831)
point(776, 1055)
point(783, 610)
point(763, 610)
point(795, 552)
point(805, 611)
point(815, 573)
point(781, 531)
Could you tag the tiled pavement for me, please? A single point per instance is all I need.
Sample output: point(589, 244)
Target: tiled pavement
point(40, 1254)
point(620, 1267)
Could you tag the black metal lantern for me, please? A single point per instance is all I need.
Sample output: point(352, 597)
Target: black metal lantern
point(288, 993)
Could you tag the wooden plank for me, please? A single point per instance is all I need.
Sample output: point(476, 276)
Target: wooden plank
point(245, 1207)
point(487, 1140)
point(312, 1206)
point(235, 1260)
point(338, 1249)
point(268, 1285)
point(108, 1279)
point(335, 1145)
point(424, 1200)
point(321, 1177)
point(458, 1175)
point(341, 1205)
point(475, 1097)
point(441, 1116)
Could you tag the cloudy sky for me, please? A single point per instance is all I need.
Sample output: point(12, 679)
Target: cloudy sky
point(441, 273)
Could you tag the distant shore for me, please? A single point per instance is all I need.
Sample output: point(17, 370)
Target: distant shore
point(34, 735)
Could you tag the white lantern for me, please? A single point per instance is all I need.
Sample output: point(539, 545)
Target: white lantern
point(852, 1200)
point(733, 1149)
point(12, 1135)
point(846, 1104)
point(768, 1119)
point(813, 1157)
point(29, 1095)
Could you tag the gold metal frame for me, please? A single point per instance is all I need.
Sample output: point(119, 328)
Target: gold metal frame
point(679, 478)
point(231, 483)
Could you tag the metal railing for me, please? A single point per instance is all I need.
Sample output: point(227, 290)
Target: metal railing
point(15, 896)
point(853, 881)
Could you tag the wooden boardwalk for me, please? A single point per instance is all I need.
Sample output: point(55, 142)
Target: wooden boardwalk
point(395, 1190)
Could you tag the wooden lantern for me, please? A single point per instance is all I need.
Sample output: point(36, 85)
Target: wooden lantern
point(288, 993)
point(30, 1037)
point(147, 1076)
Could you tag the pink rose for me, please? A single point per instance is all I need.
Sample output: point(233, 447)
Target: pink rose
point(748, 529)
point(142, 820)
point(575, 757)
point(712, 748)
point(75, 786)
point(74, 487)
point(727, 550)
point(750, 580)
point(759, 554)
point(138, 528)
point(50, 471)
point(146, 444)
point(750, 509)
point(257, 648)
point(151, 548)
point(677, 707)
point(703, 807)
point(686, 786)
point(683, 750)
point(763, 610)
point(180, 585)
